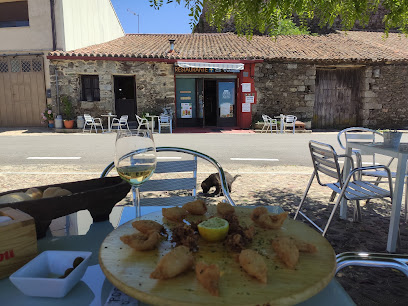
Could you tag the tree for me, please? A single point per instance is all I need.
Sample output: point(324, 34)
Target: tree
point(265, 15)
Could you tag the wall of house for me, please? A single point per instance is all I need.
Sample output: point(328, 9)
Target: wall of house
point(284, 88)
point(154, 84)
point(88, 23)
point(37, 36)
point(384, 96)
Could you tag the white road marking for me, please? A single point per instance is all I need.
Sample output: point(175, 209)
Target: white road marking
point(54, 157)
point(258, 159)
point(168, 157)
point(200, 172)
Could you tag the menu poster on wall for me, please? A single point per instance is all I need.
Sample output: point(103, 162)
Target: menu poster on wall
point(246, 107)
point(246, 87)
point(225, 109)
point(249, 99)
point(186, 110)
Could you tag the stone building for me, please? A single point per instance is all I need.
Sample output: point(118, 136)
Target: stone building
point(332, 81)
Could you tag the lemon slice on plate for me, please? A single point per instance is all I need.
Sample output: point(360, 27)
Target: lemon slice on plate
point(214, 229)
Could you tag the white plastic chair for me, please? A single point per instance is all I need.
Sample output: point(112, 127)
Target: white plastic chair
point(325, 161)
point(289, 121)
point(92, 122)
point(269, 123)
point(122, 121)
point(165, 121)
point(142, 122)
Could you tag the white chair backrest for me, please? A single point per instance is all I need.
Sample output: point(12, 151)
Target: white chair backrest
point(88, 118)
point(164, 118)
point(123, 118)
point(290, 119)
point(357, 134)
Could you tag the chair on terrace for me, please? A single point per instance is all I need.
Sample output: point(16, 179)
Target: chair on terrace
point(92, 122)
point(165, 121)
point(269, 123)
point(289, 121)
point(142, 122)
point(121, 122)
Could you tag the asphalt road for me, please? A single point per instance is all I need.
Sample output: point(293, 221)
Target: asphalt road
point(95, 151)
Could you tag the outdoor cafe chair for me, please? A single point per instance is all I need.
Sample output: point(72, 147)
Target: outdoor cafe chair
point(165, 121)
point(174, 181)
point(121, 122)
point(362, 134)
point(289, 121)
point(142, 122)
point(269, 123)
point(92, 123)
point(326, 168)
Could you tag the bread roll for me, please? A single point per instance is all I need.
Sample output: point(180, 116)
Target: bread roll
point(14, 197)
point(51, 192)
point(34, 193)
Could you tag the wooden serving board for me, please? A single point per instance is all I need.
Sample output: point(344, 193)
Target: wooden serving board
point(129, 270)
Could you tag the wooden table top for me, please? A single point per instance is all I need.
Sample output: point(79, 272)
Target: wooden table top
point(129, 270)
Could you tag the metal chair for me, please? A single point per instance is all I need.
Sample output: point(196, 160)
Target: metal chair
point(269, 123)
point(92, 122)
point(289, 121)
point(361, 134)
point(122, 121)
point(142, 122)
point(325, 161)
point(165, 121)
point(174, 181)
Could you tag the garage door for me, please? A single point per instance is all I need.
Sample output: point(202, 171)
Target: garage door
point(22, 91)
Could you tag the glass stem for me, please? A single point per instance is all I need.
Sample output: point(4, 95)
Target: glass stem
point(136, 201)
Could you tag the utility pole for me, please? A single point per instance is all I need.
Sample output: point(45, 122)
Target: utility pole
point(137, 18)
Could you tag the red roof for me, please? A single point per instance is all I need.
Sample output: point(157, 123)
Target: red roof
point(352, 46)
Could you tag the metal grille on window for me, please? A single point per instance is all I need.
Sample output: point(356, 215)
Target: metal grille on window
point(3, 66)
point(26, 66)
point(37, 65)
point(15, 66)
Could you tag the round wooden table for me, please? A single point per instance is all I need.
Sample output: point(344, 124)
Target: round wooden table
point(129, 270)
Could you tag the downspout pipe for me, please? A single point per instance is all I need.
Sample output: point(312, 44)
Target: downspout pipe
point(54, 33)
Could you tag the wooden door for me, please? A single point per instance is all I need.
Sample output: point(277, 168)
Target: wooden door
point(125, 97)
point(22, 91)
point(337, 99)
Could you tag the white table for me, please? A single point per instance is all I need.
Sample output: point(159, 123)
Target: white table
point(282, 122)
point(109, 121)
point(152, 120)
point(401, 153)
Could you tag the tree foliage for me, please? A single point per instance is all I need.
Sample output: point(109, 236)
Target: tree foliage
point(265, 15)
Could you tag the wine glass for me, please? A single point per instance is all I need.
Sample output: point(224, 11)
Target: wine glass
point(135, 159)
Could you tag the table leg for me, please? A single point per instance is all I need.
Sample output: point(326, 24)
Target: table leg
point(346, 171)
point(109, 125)
point(396, 203)
point(152, 125)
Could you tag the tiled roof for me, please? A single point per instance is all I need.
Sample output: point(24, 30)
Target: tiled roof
point(352, 46)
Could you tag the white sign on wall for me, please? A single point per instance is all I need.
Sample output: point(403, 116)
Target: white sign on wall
point(246, 107)
point(246, 87)
point(249, 99)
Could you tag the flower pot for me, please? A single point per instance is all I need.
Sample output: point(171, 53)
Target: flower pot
point(51, 124)
point(68, 124)
point(59, 123)
point(392, 139)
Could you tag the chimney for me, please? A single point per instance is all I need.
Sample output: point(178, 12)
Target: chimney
point(171, 41)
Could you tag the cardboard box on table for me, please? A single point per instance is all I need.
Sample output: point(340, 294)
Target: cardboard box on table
point(18, 241)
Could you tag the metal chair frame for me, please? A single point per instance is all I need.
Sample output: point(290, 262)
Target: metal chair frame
point(142, 122)
point(290, 120)
point(175, 184)
point(165, 120)
point(325, 160)
point(122, 121)
point(92, 122)
point(269, 123)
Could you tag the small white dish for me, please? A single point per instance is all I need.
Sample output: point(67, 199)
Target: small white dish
point(39, 277)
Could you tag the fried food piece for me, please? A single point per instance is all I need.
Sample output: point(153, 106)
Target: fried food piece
point(146, 226)
point(254, 264)
point(286, 250)
point(238, 237)
point(185, 235)
point(305, 247)
point(196, 207)
point(225, 209)
point(208, 276)
point(173, 263)
point(176, 214)
point(262, 218)
point(141, 242)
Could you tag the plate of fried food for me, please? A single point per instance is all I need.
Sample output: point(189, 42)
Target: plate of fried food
point(202, 254)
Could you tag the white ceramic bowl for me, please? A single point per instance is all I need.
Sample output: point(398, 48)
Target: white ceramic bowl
point(39, 277)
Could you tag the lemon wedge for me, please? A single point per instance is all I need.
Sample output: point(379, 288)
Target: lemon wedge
point(214, 229)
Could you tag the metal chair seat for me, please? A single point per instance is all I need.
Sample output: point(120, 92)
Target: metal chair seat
point(359, 190)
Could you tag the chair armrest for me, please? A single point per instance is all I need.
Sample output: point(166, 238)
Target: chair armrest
point(98, 119)
point(114, 120)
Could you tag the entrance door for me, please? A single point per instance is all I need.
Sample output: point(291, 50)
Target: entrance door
point(337, 98)
point(186, 103)
point(125, 96)
point(210, 102)
point(226, 103)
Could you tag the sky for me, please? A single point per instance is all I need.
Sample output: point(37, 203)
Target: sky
point(171, 18)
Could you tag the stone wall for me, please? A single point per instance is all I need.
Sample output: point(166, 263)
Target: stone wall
point(285, 88)
point(154, 84)
point(384, 96)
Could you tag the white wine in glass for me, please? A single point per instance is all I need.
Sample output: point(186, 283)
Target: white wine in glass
point(135, 159)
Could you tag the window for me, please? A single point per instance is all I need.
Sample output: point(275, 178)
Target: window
point(14, 14)
point(90, 88)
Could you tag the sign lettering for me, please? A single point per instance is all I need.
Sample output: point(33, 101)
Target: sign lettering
point(7, 255)
point(203, 70)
